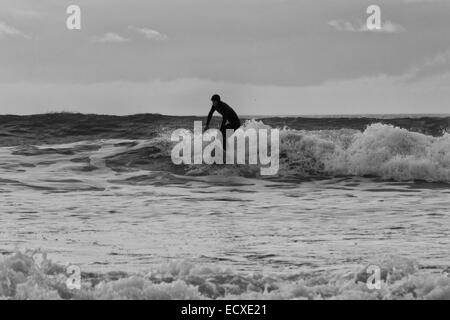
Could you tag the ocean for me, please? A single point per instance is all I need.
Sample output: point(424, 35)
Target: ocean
point(102, 194)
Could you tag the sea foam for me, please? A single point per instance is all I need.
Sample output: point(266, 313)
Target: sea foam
point(381, 150)
point(22, 278)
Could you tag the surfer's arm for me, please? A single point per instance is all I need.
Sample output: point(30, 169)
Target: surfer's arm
point(210, 114)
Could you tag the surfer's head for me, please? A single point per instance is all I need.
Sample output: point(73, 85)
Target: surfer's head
point(215, 99)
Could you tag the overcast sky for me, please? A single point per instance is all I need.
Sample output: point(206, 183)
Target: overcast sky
point(263, 56)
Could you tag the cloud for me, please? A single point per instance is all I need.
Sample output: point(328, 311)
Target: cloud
point(347, 26)
point(110, 37)
point(150, 33)
point(391, 27)
point(9, 31)
point(434, 66)
point(24, 14)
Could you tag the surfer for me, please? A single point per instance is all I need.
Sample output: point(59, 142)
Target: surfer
point(230, 120)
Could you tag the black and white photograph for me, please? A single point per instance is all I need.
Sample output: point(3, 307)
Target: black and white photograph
point(224, 150)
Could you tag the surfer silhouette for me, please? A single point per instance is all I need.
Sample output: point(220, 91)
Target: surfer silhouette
point(230, 120)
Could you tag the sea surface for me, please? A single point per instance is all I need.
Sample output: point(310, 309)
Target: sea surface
point(101, 193)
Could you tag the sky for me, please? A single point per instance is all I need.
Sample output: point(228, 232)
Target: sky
point(264, 57)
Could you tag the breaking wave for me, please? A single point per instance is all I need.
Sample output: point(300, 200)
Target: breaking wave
point(22, 277)
point(381, 150)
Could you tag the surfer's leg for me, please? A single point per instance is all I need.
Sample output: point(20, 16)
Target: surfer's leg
point(223, 131)
point(228, 126)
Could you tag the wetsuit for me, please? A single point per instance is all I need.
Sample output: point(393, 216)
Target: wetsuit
point(230, 120)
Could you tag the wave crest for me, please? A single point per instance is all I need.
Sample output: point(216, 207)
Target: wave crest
point(381, 150)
